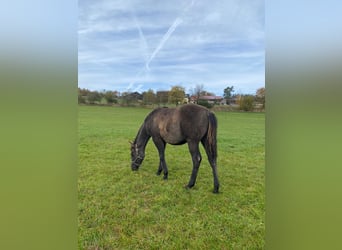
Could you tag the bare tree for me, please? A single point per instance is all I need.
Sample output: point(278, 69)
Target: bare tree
point(197, 91)
point(260, 95)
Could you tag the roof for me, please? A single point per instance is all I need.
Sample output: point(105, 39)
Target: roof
point(208, 97)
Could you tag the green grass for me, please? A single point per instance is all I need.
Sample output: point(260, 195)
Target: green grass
point(122, 209)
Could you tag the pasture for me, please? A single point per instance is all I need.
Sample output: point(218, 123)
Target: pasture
point(122, 209)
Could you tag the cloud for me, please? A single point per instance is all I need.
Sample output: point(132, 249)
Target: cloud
point(189, 42)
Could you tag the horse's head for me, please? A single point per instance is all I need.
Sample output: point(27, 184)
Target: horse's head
point(137, 156)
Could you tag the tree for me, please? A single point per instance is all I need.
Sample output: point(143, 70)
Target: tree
point(126, 98)
point(82, 95)
point(81, 99)
point(94, 97)
point(177, 95)
point(260, 96)
point(149, 97)
point(246, 102)
point(197, 91)
point(162, 97)
point(111, 96)
point(227, 93)
point(205, 103)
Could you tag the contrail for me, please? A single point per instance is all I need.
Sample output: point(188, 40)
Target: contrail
point(190, 6)
point(137, 76)
point(167, 35)
point(161, 44)
point(142, 37)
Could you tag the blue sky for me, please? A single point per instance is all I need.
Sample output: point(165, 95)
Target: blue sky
point(132, 45)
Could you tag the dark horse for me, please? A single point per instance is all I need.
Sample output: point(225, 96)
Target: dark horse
point(188, 123)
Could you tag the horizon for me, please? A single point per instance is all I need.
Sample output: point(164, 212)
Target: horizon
point(208, 92)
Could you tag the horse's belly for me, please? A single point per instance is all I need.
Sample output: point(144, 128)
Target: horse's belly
point(172, 134)
point(174, 141)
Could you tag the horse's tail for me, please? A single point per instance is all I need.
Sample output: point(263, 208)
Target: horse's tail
point(211, 136)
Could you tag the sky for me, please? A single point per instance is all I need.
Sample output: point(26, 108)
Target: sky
point(132, 45)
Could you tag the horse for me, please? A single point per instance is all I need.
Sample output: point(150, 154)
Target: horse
point(189, 123)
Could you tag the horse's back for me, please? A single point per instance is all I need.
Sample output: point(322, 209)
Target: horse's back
point(177, 125)
point(193, 111)
point(194, 120)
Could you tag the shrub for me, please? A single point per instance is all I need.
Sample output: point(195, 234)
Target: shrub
point(205, 104)
point(246, 102)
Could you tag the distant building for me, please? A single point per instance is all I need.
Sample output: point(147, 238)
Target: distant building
point(219, 100)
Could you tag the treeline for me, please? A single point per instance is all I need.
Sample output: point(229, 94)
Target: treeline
point(176, 96)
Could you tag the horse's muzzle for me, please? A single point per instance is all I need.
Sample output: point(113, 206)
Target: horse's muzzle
point(136, 163)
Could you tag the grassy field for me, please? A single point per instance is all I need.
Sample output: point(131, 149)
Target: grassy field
point(122, 209)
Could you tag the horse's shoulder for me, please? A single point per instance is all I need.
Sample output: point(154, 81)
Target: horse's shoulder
point(157, 112)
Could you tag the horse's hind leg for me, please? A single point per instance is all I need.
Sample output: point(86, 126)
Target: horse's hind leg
point(160, 144)
point(196, 160)
point(160, 168)
point(212, 161)
point(216, 181)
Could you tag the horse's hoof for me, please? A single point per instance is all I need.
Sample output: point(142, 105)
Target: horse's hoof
point(215, 191)
point(165, 177)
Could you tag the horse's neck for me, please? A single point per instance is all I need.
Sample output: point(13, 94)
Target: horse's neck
point(142, 138)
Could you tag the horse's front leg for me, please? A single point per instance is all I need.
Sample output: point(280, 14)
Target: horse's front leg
point(196, 161)
point(160, 144)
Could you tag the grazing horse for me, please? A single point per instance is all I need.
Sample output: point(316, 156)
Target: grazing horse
point(188, 123)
